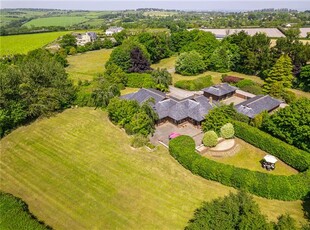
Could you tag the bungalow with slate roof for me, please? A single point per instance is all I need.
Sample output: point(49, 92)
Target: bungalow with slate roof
point(258, 104)
point(219, 92)
point(192, 110)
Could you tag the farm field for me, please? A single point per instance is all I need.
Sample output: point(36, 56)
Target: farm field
point(86, 66)
point(77, 163)
point(22, 44)
point(56, 21)
point(249, 157)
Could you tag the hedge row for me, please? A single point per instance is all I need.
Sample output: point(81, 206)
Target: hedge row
point(197, 84)
point(291, 155)
point(280, 187)
point(139, 80)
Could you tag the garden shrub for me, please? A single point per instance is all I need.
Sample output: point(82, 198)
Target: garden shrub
point(231, 79)
point(254, 89)
point(270, 186)
point(227, 131)
point(138, 140)
point(245, 82)
point(210, 139)
point(197, 84)
point(291, 155)
point(139, 80)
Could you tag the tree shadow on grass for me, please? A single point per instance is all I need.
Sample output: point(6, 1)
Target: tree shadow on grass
point(306, 208)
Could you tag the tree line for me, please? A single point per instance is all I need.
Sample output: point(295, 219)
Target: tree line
point(31, 86)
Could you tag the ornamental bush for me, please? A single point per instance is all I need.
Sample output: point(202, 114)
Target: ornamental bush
point(227, 131)
point(294, 187)
point(210, 139)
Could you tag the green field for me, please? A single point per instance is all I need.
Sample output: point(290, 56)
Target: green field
point(14, 214)
point(77, 170)
point(56, 21)
point(24, 43)
point(86, 66)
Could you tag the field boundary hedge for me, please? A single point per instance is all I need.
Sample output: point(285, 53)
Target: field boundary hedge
point(279, 187)
point(296, 158)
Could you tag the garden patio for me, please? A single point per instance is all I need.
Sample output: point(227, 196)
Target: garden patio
point(164, 130)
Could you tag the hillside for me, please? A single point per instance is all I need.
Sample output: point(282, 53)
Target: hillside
point(75, 164)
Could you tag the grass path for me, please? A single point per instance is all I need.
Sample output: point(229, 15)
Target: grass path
point(77, 170)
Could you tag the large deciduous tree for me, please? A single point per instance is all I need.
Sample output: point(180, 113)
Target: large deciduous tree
point(291, 124)
point(190, 63)
point(35, 85)
point(131, 56)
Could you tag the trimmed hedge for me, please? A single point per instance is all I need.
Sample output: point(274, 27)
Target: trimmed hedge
point(270, 186)
point(139, 80)
point(291, 155)
point(197, 84)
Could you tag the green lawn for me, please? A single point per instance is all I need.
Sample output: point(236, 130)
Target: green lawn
point(77, 170)
point(86, 66)
point(169, 63)
point(14, 214)
point(24, 43)
point(249, 157)
point(56, 21)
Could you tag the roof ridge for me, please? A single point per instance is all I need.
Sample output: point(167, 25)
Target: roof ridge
point(153, 91)
point(258, 99)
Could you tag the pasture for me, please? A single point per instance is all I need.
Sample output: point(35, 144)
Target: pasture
point(56, 21)
point(77, 170)
point(22, 44)
point(88, 65)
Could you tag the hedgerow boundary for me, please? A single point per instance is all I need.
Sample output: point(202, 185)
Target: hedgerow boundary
point(279, 187)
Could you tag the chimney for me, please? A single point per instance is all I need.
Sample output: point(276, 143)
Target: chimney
point(210, 99)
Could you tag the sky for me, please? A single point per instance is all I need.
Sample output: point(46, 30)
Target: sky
point(223, 5)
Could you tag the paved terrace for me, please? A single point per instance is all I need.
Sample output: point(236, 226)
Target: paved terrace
point(164, 130)
point(181, 94)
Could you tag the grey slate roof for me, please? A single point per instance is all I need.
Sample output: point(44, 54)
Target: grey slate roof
point(257, 104)
point(144, 94)
point(220, 89)
point(92, 35)
point(195, 108)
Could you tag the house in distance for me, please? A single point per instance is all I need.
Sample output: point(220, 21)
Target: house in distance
point(113, 30)
point(82, 39)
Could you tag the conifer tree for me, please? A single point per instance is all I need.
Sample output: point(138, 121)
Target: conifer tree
point(280, 74)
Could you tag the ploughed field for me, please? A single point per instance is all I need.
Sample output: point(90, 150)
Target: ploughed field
point(77, 170)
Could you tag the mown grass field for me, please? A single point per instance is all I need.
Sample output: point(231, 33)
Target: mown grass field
point(14, 215)
point(86, 66)
point(22, 44)
point(56, 21)
point(77, 170)
point(249, 157)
